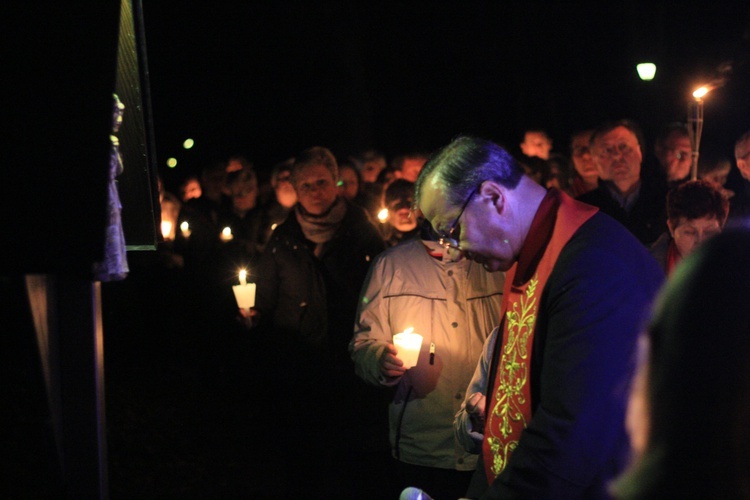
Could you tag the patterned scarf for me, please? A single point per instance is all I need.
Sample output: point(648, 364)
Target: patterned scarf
point(320, 228)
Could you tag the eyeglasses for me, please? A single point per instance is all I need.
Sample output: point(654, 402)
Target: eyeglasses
point(612, 151)
point(447, 239)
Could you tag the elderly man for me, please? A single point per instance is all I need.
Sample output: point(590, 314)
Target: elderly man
point(553, 375)
point(637, 202)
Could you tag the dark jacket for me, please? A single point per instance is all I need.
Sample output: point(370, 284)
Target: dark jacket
point(592, 309)
point(310, 301)
point(647, 220)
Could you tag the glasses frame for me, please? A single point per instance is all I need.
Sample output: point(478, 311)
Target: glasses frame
point(620, 150)
point(446, 239)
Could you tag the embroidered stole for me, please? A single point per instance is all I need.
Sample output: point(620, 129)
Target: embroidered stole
point(509, 391)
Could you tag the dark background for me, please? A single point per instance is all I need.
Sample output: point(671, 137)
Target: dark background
point(188, 408)
point(268, 79)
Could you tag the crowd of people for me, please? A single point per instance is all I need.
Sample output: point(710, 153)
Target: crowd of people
point(529, 274)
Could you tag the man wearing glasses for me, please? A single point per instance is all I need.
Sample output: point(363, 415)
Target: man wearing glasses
point(635, 200)
point(547, 401)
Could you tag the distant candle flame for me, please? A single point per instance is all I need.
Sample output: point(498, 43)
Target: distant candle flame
point(166, 229)
point(226, 234)
point(383, 215)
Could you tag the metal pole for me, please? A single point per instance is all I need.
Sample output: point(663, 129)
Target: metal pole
point(695, 128)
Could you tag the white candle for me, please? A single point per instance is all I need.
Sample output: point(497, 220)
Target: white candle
point(244, 293)
point(409, 344)
point(166, 229)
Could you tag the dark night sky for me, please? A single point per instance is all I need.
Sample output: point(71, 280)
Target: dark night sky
point(269, 80)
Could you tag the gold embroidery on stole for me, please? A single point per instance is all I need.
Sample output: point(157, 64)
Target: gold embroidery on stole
point(513, 374)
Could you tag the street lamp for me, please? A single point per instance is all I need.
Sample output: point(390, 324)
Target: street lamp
point(646, 71)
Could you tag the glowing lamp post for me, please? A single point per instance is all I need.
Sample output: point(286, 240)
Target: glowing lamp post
point(695, 126)
point(646, 71)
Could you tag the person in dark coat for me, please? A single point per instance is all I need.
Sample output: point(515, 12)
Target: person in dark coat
point(308, 283)
point(312, 269)
point(625, 193)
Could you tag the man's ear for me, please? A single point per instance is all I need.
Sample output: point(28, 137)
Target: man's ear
point(495, 193)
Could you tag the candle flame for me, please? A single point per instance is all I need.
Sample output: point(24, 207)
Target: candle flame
point(166, 229)
point(409, 330)
point(243, 276)
point(227, 231)
point(383, 215)
point(184, 226)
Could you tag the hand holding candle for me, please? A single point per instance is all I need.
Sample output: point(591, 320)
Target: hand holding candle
point(409, 345)
point(244, 293)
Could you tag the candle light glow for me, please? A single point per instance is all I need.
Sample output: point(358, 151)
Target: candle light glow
point(383, 215)
point(409, 344)
point(244, 293)
point(166, 229)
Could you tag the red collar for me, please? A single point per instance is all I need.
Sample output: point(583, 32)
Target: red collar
point(540, 233)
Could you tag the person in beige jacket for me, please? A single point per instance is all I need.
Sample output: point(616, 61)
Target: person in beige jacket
point(454, 306)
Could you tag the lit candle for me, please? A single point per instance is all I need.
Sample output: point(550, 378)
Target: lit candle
point(383, 215)
point(226, 234)
point(166, 229)
point(244, 293)
point(409, 344)
point(185, 228)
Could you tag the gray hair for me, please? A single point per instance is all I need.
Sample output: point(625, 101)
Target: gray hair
point(461, 166)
